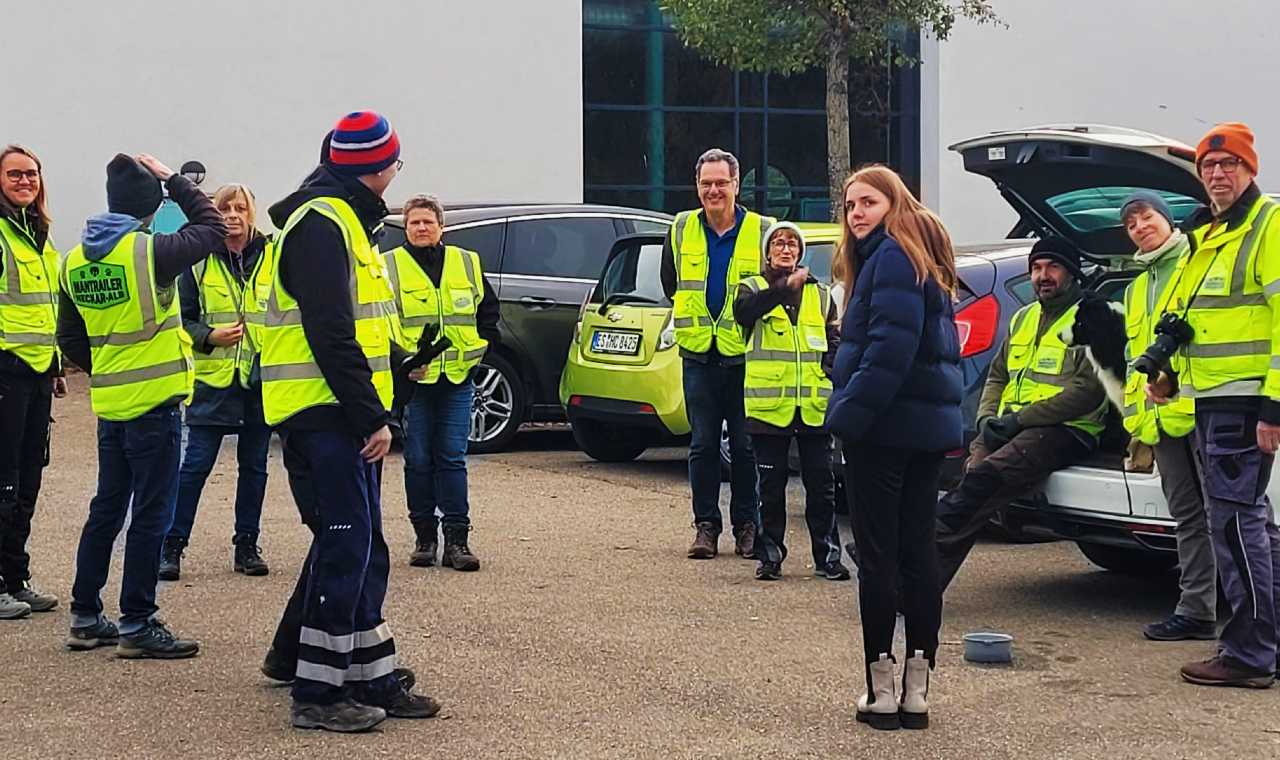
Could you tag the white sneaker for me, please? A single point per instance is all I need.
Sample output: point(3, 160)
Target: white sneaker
point(12, 609)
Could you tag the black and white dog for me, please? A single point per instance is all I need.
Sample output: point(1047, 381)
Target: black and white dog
point(1099, 329)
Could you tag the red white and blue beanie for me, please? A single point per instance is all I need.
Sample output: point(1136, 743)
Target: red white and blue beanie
point(363, 142)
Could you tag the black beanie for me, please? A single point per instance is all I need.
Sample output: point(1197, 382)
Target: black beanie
point(1058, 249)
point(131, 189)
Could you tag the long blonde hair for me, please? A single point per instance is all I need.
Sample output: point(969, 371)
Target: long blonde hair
point(41, 204)
point(918, 231)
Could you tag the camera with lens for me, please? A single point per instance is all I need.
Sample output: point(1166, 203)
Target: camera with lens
point(1172, 332)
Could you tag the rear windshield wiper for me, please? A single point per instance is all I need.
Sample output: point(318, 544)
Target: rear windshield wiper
point(618, 298)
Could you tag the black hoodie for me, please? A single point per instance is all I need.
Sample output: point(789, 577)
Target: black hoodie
point(315, 269)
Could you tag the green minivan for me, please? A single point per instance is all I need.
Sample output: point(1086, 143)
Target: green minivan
point(621, 387)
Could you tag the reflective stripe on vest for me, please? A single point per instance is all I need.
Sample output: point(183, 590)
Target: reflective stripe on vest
point(28, 298)
point(694, 326)
point(291, 379)
point(223, 302)
point(1035, 366)
point(1143, 419)
point(419, 303)
point(141, 355)
point(784, 360)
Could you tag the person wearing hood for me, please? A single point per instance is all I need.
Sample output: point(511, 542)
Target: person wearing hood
point(1149, 223)
point(228, 390)
point(788, 321)
point(120, 321)
point(1042, 408)
point(328, 348)
point(30, 370)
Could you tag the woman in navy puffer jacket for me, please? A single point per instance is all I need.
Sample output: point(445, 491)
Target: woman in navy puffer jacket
point(896, 409)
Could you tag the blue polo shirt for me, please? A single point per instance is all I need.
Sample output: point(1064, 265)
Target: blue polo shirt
point(719, 254)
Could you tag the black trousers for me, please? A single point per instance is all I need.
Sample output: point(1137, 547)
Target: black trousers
point(25, 401)
point(819, 496)
point(893, 494)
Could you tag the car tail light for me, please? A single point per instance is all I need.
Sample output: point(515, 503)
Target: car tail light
point(976, 325)
point(575, 401)
point(667, 338)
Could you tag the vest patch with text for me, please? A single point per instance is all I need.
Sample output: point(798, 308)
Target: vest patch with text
point(98, 286)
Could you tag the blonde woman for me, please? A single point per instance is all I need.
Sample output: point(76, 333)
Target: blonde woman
point(896, 408)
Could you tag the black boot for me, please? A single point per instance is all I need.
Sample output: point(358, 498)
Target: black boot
point(248, 556)
point(424, 551)
point(171, 559)
point(456, 552)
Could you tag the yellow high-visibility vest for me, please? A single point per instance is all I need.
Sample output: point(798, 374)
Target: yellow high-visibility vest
point(28, 298)
point(694, 325)
point(784, 361)
point(225, 302)
point(1036, 366)
point(451, 308)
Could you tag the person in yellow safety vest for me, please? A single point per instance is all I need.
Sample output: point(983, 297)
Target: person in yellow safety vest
point(119, 320)
point(217, 312)
point(1042, 408)
point(789, 324)
point(1147, 219)
point(1227, 293)
point(708, 252)
point(443, 287)
point(329, 342)
point(30, 370)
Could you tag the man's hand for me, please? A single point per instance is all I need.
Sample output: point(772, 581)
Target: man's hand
point(1268, 437)
point(153, 165)
point(59, 387)
point(798, 278)
point(377, 445)
point(226, 336)
point(997, 431)
point(1161, 391)
point(418, 374)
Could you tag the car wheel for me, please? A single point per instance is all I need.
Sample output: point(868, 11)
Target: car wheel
point(498, 409)
point(609, 443)
point(1141, 562)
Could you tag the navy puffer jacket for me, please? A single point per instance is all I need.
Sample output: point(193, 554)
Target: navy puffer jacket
point(897, 370)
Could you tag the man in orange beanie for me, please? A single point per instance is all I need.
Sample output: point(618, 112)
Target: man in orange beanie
point(1229, 294)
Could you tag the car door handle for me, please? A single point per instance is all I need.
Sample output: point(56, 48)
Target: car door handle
point(536, 302)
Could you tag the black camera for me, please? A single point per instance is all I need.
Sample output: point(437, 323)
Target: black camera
point(1172, 332)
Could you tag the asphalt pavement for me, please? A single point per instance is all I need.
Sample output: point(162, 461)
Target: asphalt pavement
point(587, 634)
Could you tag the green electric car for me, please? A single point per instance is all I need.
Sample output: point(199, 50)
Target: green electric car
point(621, 387)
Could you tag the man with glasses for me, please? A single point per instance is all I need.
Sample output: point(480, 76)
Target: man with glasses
point(709, 251)
point(1227, 291)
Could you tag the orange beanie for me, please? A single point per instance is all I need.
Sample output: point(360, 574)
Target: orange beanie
point(1233, 137)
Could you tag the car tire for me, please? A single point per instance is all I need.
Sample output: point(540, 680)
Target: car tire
point(1138, 562)
point(499, 406)
point(608, 443)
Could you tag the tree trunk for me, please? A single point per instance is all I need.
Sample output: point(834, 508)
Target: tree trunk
point(838, 159)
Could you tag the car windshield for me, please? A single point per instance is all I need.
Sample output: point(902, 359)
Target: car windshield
point(1097, 208)
point(635, 271)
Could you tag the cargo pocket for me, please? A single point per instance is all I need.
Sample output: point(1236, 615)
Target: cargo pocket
point(1232, 463)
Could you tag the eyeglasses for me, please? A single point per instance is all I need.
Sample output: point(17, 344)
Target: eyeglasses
point(785, 245)
point(718, 184)
point(399, 164)
point(1228, 165)
point(17, 175)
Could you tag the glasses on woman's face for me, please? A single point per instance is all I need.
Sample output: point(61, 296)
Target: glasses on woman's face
point(1228, 166)
point(785, 245)
point(17, 175)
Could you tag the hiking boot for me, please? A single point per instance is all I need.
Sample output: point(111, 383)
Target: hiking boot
point(1181, 628)
point(171, 559)
point(155, 642)
point(248, 556)
point(1226, 671)
point(344, 716)
point(12, 609)
point(101, 634)
point(36, 599)
point(456, 552)
point(704, 541)
point(744, 541)
point(399, 702)
point(424, 550)
point(769, 571)
point(832, 571)
point(278, 668)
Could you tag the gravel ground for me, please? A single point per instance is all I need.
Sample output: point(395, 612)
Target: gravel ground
point(588, 635)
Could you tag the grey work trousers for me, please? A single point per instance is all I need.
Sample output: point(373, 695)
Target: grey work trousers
point(1180, 481)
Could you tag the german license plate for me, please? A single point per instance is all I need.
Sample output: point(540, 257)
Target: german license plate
point(603, 342)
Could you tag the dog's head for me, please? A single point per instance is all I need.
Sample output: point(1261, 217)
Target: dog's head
point(1098, 322)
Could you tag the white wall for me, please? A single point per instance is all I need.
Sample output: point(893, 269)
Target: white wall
point(1173, 67)
point(486, 94)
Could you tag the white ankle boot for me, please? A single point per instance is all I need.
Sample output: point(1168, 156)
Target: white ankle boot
point(879, 706)
point(915, 692)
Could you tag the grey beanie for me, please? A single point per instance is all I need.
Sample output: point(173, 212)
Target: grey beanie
point(773, 228)
point(1148, 198)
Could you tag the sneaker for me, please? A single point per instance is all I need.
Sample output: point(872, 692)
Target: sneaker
point(833, 571)
point(278, 668)
point(1226, 671)
point(36, 599)
point(769, 571)
point(248, 558)
point(101, 634)
point(344, 716)
point(1181, 628)
point(399, 703)
point(155, 642)
point(171, 559)
point(704, 541)
point(744, 541)
point(12, 609)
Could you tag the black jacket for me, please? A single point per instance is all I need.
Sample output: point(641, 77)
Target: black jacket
point(315, 269)
point(30, 227)
point(234, 405)
point(488, 312)
point(174, 254)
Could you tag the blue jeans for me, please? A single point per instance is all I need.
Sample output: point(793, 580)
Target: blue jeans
point(198, 457)
point(712, 397)
point(138, 461)
point(437, 423)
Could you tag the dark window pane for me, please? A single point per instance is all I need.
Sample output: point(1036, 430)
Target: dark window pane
point(617, 12)
point(636, 272)
point(558, 247)
point(390, 237)
point(613, 66)
point(751, 157)
point(616, 149)
point(1020, 288)
point(688, 135)
point(691, 80)
point(798, 148)
point(681, 200)
point(817, 258)
point(751, 89)
point(807, 89)
point(485, 239)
